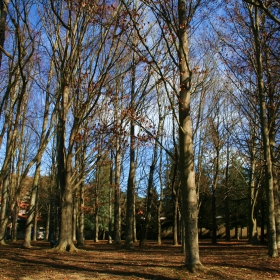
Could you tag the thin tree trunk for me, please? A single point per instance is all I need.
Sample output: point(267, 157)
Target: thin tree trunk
point(175, 220)
point(47, 231)
point(35, 221)
point(227, 210)
point(31, 212)
point(160, 200)
point(110, 204)
point(117, 208)
point(132, 172)
point(81, 237)
point(81, 202)
point(4, 206)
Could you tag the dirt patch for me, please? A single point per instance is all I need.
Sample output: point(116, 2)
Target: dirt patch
point(106, 261)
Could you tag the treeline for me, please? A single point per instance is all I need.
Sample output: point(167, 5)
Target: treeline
point(174, 104)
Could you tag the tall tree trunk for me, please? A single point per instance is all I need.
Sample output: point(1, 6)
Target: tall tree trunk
point(35, 221)
point(253, 191)
point(271, 227)
point(96, 207)
point(110, 203)
point(64, 167)
point(81, 202)
point(188, 186)
point(117, 207)
point(214, 214)
point(129, 236)
point(130, 193)
point(75, 215)
point(151, 189)
point(150, 195)
point(175, 219)
point(3, 214)
point(160, 200)
point(47, 231)
point(227, 210)
point(81, 222)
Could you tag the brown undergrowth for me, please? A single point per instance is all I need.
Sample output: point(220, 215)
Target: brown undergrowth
point(232, 260)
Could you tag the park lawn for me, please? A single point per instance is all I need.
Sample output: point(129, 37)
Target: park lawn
point(232, 260)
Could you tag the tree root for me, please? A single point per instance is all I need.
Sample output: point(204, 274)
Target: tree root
point(196, 268)
point(65, 247)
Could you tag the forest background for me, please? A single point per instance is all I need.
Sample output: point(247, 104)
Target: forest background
point(124, 119)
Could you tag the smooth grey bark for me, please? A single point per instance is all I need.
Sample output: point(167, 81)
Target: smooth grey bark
point(4, 207)
point(159, 207)
point(64, 167)
point(81, 203)
point(214, 189)
point(188, 186)
point(130, 214)
point(47, 234)
point(253, 193)
point(175, 219)
point(35, 221)
point(96, 204)
point(130, 192)
point(75, 215)
point(273, 99)
point(227, 210)
point(271, 227)
point(117, 195)
point(110, 203)
point(81, 219)
point(32, 207)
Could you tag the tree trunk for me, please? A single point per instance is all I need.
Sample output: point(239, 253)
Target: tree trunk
point(130, 193)
point(117, 208)
point(130, 214)
point(81, 222)
point(96, 203)
point(3, 214)
point(253, 190)
point(110, 205)
point(47, 235)
point(160, 201)
point(183, 233)
point(35, 221)
point(75, 215)
point(14, 222)
point(150, 194)
point(271, 227)
point(227, 212)
point(134, 216)
point(64, 167)
point(175, 219)
point(214, 220)
point(3, 15)
point(81, 203)
point(31, 212)
point(188, 186)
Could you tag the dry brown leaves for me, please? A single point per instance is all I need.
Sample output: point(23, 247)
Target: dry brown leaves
point(103, 261)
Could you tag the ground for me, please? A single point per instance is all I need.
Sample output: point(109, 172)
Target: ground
point(235, 260)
